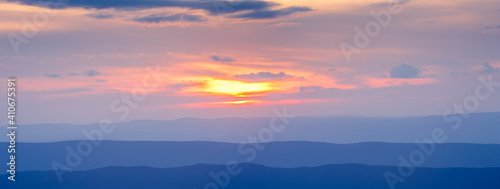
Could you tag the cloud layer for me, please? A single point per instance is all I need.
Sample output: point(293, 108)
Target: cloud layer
point(158, 18)
point(405, 71)
point(263, 76)
point(254, 9)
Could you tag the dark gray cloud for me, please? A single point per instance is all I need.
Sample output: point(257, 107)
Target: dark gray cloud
point(91, 73)
point(158, 18)
point(52, 75)
point(266, 13)
point(222, 58)
point(100, 16)
point(488, 69)
point(405, 71)
point(263, 76)
point(215, 7)
point(258, 9)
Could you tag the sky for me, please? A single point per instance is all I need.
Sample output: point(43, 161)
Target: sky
point(78, 61)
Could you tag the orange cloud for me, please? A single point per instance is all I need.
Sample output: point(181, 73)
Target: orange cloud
point(252, 103)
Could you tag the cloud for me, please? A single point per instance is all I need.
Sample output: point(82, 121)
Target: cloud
point(266, 13)
point(91, 73)
point(222, 58)
point(179, 86)
point(488, 69)
point(393, 3)
point(430, 21)
point(193, 18)
point(60, 91)
point(492, 27)
point(158, 18)
point(263, 76)
point(285, 24)
point(72, 74)
point(251, 9)
point(100, 16)
point(405, 71)
point(52, 75)
point(216, 7)
point(311, 89)
point(101, 81)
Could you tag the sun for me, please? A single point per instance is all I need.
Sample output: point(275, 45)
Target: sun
point(238, 102)
point(236, 88)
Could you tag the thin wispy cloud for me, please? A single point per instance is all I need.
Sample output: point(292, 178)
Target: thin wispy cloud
point(268, 14)
point(493, 27)
point(100, 15)
point(263, 76)
point(52, 75)
point(60, 91)
point(286, 24)
point(72, 74)
point(489, 69)
point(222, 58)
point(159, 18)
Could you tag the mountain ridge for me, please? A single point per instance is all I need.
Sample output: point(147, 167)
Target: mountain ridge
point(198, 176)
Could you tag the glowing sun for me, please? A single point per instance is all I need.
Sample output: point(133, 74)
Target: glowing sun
point(236, 88)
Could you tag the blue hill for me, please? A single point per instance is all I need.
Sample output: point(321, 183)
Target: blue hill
point(40, 156)
point(255, 176)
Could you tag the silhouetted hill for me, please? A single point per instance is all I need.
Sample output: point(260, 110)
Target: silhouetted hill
point(478, 128)
point(39, 156)
point(254, 176)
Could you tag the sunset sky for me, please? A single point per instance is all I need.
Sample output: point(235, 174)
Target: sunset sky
point(242, 59)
